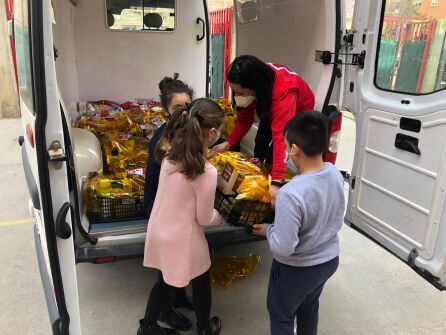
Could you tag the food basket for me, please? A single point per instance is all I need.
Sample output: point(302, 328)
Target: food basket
point(242, 213)
point(105, 209)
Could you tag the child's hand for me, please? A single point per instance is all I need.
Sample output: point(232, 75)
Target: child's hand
point(259, 229)
point(273, 189)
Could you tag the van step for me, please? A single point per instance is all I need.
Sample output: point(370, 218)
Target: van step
point(118, 228)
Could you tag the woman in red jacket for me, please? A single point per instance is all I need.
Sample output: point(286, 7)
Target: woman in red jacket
point(275, 94)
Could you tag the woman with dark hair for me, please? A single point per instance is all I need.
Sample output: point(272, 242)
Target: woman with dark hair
point(174, 94)
point(275, 94)
point(176, 244)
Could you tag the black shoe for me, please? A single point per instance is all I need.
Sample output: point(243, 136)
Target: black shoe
point(214, 329)
point(183, 302)
point(155, 330)
point(175, 320)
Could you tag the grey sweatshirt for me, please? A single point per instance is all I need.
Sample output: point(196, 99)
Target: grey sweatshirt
point(309, 214)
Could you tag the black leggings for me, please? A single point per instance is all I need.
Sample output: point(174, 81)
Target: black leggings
point(177, 293)
point(201, 287)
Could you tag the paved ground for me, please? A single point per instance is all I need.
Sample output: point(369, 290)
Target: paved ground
point(372, 292)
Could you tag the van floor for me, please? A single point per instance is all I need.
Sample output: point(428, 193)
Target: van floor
point(134, 226)
point(118, 228)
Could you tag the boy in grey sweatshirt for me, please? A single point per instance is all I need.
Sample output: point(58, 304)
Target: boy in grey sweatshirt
point(304, 241)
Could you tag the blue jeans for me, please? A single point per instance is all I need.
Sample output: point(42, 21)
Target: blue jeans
point(293, 293)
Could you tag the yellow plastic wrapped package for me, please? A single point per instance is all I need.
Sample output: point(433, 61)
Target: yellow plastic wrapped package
point(254, 188)
point(221, 159)
point(243, 190)
point(123, 151)
point(233, 174)
point(225, 270)
point(230, 113)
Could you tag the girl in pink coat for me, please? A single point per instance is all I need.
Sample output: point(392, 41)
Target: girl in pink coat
point(175, 243)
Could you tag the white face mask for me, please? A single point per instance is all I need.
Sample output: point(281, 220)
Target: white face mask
point(244, 101)
point(289, 161)
point(215, 140)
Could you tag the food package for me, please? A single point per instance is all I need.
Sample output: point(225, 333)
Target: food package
point(99, 125)
point(230, 113)
point(114, 197)
point(220, 160)
point(225, 270)
point(243, 190)
point(234, 172)
point(254, 188)
point(114, 185)
point(126, 162)
point(123, 131)
point(144, 123)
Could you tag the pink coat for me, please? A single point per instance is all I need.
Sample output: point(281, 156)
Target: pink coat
point(175, 242)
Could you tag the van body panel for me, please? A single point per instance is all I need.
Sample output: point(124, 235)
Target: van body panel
point(98, 63)
point(397, 194)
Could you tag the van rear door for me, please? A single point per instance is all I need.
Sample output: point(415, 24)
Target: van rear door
point(397, 95)
point(44, 162)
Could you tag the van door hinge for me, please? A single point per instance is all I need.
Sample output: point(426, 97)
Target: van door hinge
point(412, 256)
point(348, 38)
point(346, 176)
point(56, 154)
point(326, 57)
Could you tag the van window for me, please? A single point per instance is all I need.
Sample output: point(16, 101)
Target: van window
point(141, 15)
point(412, 48)
point(22, 41)
point(248, 11)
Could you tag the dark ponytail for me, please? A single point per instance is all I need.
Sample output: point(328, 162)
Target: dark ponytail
point(251, 72)
point(182, 139)
point(170, 86)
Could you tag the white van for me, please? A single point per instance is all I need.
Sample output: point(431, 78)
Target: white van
point(77, 50)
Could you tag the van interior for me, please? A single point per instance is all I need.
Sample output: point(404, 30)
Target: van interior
point(119, 50)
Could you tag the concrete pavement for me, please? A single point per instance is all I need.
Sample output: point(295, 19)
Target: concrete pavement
point(371, 293)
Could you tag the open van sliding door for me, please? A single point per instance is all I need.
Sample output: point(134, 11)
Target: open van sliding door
point(398, 182)
point(44, 162)
point(294, 33)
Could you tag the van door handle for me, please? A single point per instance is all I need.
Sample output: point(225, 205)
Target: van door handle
point(199, 38)
point(407, 143)
point(63, 229)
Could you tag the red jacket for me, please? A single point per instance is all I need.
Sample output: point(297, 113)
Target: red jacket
point(291, 95)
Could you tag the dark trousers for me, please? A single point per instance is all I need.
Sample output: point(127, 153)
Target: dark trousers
point(263, 150)
point(161, 292)
point(293, 293)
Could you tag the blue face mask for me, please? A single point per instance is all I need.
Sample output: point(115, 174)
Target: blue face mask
point(290, 162)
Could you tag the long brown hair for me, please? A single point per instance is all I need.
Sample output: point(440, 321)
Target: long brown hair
point(182, 139)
